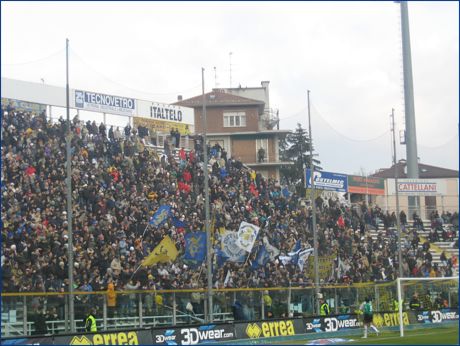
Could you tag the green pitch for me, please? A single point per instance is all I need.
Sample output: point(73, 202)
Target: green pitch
point(432, 336)
point(425, 336)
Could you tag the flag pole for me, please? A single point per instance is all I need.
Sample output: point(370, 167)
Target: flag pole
point(206, 194)
point(145, 230)
point(313, 208)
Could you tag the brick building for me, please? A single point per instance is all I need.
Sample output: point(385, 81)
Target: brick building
point(242, 126)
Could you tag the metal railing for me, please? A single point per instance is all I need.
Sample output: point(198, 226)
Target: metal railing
point(139, 309)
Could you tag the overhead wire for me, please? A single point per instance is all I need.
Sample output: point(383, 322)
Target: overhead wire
point(127, 87)
point(37, 60)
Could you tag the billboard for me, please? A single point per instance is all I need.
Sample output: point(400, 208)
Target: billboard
point(24, 105)
point(328, 181)
point(208, 333)
point(331, 323)
point(267, 329)
point(366, 185)
point(437, 316)
point(97, 102)
point(162, 126)
point(163, 112)
point(417, 187)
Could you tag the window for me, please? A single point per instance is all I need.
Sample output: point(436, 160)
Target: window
point(234, 119)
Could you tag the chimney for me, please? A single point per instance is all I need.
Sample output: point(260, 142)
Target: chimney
point(179, 97)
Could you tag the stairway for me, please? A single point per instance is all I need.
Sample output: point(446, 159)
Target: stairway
point(436, 248)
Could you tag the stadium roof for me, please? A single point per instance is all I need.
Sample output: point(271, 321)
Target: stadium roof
point(425, 171)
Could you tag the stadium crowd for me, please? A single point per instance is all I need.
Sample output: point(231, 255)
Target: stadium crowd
point(117, 184)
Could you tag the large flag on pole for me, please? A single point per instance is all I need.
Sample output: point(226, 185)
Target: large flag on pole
point(160, 216)
point(262, 258)
point(303, 257)
point(247, 235)
point(272, 251)
point(195, 246)
point(164, 252)
point(230, 250)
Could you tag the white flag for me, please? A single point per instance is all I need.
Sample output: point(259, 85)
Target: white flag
point(247, 235)
point(227, 278)
point(303, 257)
point(273, 251)
point(285, 259)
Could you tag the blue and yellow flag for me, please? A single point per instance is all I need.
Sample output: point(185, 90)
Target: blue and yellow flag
point(164, 252)
point(195, 246)
point(160, 216)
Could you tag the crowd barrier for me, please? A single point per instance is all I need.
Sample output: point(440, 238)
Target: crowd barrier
point(226, 332)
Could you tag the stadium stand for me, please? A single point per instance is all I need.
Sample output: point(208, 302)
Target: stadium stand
point(119, 181)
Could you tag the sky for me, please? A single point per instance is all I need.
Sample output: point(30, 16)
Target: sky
point(348, 54)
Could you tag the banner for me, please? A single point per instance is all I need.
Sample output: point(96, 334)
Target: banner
point(160, 216)
point(328, 181)
point(247, 235)
point(272, 251)
point(437, 316)
point(331, 323)
point(391, 319)
point(103, 103)
point(162, 126)
point(164, 252)
point(24, 106)
point(165, 112)
point(325, 267)
point(267, 329)
point(303, 257)
point(262, 258)
point(366, 185)
point(195, 246)
point(417, 187)
point(134, 337)
point(28, 341)
point(193, 335)
point(230, 249)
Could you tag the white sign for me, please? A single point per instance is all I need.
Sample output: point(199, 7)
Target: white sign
point(417, 187)
point(103, 103)
point(165, 112)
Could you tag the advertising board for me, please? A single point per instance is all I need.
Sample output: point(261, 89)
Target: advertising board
point(266, 329)
point(437, 316)
point(24, 106)
point(366, 185)
point(97, 102)
point(328, 181)
point(133, 337)
point(331, 323)
point(193, 335)
point(417, 187)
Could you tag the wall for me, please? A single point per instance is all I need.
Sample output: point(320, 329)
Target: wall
point(244, 150)
point(215, 119)
point(449, 201)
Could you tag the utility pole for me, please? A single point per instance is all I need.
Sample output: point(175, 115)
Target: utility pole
point(206, 204)
point(411, 136)
point(69, 196)
point(397, 193)
point(313, 208)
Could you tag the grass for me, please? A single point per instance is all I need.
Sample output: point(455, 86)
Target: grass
point(426, 336)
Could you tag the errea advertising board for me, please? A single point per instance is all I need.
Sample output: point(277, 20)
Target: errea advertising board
point(328, 181)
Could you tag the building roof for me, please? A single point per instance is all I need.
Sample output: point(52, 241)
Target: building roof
point(425, 171)
point(245, 133)
point(218, 98)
